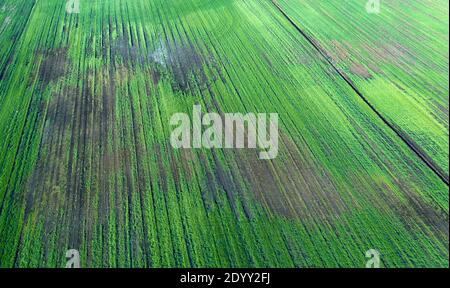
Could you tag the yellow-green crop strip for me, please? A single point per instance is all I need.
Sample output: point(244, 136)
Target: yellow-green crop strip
point(86, 161)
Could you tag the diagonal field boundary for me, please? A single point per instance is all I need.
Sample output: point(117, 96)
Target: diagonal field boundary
point(403, 136)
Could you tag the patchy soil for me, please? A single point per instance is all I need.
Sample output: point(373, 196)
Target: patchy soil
point(393, 53)
point(413, 207)
point(341, 55)
point(179, 63)
point(73, 159)
point(340, 52)
point(53, 66)
point(360, 70)
point(304, 189)
point(292, 187)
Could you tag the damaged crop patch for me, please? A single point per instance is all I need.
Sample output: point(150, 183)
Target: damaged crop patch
point(291, 185)
point(179, 63)
point(187, 68)
point(77, 128)
point(53, 66)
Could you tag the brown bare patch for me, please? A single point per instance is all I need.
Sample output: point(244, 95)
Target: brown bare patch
point(53, 65)
point(374, 68)
point(74, 165)
point(360, 70)
point(394, 51)
point(186, 65)
point(340, 53)
point(388, 52)
point(129, 52)
point(292, 186)
point(179, 62)
point(414, 207)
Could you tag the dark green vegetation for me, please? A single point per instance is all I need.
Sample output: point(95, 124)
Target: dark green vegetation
point(86, 163)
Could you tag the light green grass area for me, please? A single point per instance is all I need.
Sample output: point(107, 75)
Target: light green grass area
point(86, 161)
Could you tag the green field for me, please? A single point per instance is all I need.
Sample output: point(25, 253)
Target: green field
point(86, 161)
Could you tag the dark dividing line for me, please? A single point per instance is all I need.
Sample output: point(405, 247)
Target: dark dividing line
point(405, 138)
